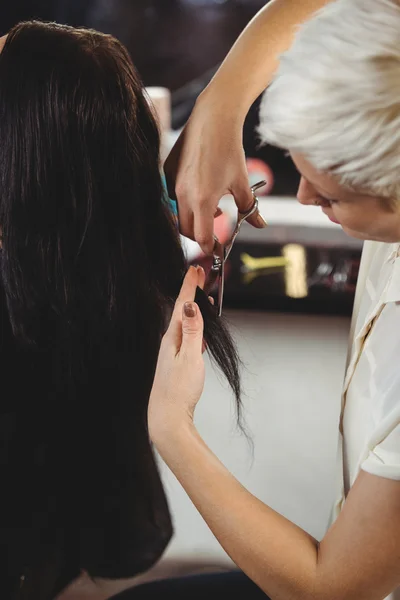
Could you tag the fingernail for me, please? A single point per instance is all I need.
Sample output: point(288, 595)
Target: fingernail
point(190, 309)
point(261, 221)
point(200, 269)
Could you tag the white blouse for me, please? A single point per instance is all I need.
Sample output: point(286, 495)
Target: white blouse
point(370, 421)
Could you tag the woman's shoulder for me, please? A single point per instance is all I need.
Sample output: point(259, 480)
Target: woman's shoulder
point(379, 252)
point(379, 264)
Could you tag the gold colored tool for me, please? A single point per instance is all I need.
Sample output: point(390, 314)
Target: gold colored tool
point(256, 264)
point(259, 267)
point(293, 263)
point(296, 271)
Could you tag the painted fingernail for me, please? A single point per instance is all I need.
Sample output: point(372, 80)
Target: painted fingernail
point(261, 222)
point(190, 310)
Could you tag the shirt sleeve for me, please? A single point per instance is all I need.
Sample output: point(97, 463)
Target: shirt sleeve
point(384, 459)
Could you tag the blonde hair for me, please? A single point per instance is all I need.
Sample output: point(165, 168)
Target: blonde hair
point(336, 95)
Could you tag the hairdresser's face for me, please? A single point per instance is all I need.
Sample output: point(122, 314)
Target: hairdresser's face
point(361, 216)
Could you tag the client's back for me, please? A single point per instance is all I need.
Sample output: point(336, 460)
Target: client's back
point(90, 266)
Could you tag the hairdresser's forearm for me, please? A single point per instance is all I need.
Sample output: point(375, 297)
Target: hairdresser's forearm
point(279, 556)
point(250, 65)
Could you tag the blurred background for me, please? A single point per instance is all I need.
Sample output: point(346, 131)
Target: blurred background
point(289, 289)
point(177, 44)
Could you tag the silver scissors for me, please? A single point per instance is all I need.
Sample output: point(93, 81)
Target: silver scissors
point(221, 253)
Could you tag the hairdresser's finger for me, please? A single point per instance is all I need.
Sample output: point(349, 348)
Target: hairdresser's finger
point(192, 332)
point(244, 201)
point(202, 277)
point(204, 223)
point(187, 294)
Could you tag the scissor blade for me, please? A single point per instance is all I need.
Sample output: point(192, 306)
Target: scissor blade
point(221, 284)
point(211, 280)
point(218, 258)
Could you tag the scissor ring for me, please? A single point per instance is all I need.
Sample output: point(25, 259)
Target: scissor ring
point(252, 210)
point(257, 186)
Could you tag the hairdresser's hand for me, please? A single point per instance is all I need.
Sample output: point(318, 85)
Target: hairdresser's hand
point(179, 379)
point(206, 163)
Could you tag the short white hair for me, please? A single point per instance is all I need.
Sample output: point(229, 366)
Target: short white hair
point(336, 95)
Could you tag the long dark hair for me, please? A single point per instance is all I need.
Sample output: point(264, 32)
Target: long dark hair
point(91, 264)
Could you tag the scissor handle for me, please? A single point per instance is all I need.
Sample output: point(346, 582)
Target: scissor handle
point(244, 216)
point(257, 186)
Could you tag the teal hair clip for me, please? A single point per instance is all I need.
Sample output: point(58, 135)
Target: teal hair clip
point(172, 204)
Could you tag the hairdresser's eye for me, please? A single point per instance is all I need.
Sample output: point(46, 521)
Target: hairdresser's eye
point(326, 201)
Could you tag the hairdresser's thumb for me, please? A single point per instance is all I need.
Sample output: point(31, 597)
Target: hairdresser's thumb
point(192, 330)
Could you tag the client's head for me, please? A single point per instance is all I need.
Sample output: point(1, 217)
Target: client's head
point(80, 195)
point(83, 215)
point(335, 105)
point(91, 264)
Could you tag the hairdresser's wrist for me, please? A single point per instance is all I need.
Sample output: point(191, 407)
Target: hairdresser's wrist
point(171, 435)
point(223, 102)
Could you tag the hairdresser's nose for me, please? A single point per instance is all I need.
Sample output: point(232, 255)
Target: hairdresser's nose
point(306, 193)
